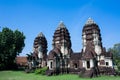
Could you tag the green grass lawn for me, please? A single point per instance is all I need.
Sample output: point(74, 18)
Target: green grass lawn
point(20, 75)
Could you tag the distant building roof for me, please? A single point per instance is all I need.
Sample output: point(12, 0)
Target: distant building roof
point(21, 60)
point(76, 56)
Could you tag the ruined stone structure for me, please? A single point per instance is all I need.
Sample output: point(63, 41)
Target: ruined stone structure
point(40, 50)
point(93, 60)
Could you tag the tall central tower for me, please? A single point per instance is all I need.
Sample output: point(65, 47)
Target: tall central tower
point(61, 39)
point(60, 54)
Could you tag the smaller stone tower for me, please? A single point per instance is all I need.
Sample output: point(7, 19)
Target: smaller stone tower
point(40, 49)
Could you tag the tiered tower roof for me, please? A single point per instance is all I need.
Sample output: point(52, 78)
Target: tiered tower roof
point(62, 33)
point(40, 40)
point(91, 28)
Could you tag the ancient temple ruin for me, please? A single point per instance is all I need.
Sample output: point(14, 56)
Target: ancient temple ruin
point(91, 61)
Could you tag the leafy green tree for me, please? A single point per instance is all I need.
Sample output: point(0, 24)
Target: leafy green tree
point(116, 54)
point(11, 44)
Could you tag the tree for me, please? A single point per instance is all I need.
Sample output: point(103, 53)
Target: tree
point(116, 54)
point(11, 44)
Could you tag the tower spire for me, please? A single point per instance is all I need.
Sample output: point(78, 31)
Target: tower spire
point(61, 25)
point(41, 34)
point(90, 21)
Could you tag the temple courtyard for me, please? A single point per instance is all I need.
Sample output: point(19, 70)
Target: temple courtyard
point(21, 75)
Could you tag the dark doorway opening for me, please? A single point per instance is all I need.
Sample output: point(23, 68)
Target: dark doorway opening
point(75, 65)
point(88, 64)
point(51, 64)
point(107, 64)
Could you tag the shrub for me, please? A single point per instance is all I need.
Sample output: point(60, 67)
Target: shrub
point(41, 71)
point(2, 66)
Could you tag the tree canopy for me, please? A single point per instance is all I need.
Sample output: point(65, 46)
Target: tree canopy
point(116, 54)
point(11, 45)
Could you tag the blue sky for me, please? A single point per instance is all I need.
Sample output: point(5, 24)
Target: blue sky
point(35, 16)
